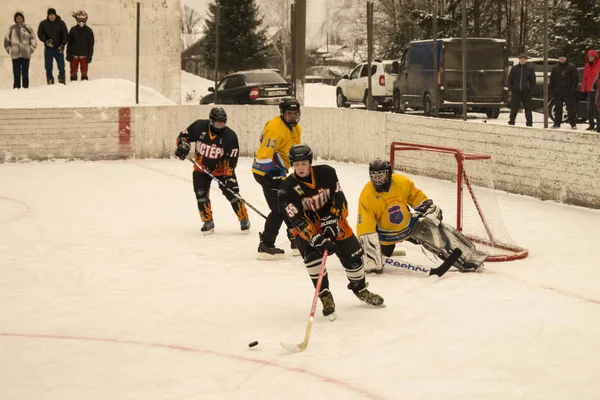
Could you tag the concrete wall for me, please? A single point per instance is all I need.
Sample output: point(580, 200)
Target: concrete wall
point(554, 165)
point(114, 25)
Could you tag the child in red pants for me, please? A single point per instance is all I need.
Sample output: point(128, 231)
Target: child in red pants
point(80, 46)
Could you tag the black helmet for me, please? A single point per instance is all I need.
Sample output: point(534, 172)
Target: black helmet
point(300, 152)
point(217, 114)
point(380, 172)
point(290, 104)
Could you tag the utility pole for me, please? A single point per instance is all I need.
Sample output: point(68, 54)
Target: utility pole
point(217, 23)
point(546, 64)
point(300, 48)
point(435, 91)
point(464, 59)
point(370, 104)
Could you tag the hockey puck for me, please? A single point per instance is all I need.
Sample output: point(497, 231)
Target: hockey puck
point(252, 344)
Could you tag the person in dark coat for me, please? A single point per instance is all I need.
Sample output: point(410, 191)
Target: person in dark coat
point(590, 71)
point(80, 47)
point(53, 33)
point(563, 89)
point(521, 82)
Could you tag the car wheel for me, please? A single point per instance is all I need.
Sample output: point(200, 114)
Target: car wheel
point(341, 99)
point(552, 112)
point(399, 106)
point(492, 113)
point(427, 105)
point(374, 103)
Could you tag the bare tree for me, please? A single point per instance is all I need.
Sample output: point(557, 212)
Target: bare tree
point(191, 20)
point(278, 15)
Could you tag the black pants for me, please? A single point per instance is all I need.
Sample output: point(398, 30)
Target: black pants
point(518, 97)
point(277, 215)
point(350, 253)
point(570, 102)
point(20, 69)
point(202, 191)
point(591, 109)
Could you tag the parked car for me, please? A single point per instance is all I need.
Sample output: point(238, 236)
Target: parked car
point(260, 86)
point(353, 88)
point(416, 85)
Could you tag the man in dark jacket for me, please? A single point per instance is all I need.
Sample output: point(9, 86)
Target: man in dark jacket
point(53, 33)
point(81, 46)
point(521, 82)
point(563, 88)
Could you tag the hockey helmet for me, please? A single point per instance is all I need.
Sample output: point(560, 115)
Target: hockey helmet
point(300, 152)
point(290, 104)
point(380, 172)
point(217, 114)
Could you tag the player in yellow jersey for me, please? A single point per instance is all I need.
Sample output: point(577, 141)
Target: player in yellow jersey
point(270, 166)
point(392, 209)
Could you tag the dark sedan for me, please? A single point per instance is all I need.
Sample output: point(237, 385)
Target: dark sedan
point(261, 86)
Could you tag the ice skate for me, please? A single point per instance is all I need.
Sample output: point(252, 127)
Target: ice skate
point(328, 304)
point(365, 295)
point(267, 249)
point(245, 226)
point(208, 227)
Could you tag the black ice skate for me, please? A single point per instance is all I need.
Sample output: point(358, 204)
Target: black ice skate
point(267, 249)
point(245, 225)
point(365, 295)
point(208, 227)
point(328, 304)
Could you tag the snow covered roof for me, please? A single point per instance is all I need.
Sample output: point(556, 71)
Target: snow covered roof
point(188, 39)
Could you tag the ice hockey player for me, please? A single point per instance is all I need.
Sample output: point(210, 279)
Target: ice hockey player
point(385, 218)
point(216, 151)
point(317, 207)
point(270, 166)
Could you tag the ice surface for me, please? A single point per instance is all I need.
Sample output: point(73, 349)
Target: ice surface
point(109, 291)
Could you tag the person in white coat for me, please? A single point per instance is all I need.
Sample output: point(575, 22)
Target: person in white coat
point(20, 43)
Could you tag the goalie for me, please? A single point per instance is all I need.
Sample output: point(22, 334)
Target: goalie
point(385, 218)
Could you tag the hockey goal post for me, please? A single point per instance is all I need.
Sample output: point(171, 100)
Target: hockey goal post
point(472, 199)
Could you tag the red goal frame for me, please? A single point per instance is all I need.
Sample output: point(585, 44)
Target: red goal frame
point(462, 180)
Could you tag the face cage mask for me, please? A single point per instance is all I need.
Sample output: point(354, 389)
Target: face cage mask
point(291, 124)
point(379, 178)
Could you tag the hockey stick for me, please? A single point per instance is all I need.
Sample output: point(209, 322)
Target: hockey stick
point(294, 348)
point(240, 198)
point(424, 271)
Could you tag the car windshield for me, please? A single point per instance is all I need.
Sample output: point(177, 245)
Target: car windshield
point(263, 77)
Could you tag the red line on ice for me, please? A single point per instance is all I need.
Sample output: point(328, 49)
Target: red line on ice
point(298, 370)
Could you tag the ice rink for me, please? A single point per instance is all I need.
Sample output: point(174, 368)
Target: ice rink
point(109, 291)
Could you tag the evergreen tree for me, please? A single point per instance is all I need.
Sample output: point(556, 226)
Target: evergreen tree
point(242, 37)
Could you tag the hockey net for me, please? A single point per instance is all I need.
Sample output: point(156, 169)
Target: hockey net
point(470, 200)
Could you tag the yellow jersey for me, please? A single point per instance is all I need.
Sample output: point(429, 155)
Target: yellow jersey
point(275, 144)
point(387, 213)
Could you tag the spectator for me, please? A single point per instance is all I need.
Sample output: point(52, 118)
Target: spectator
point(563, 89)
point(521, 82)
point(20, 44)
point(592, 66)
point(53, 33)
point(80, 48)
point(595, 88)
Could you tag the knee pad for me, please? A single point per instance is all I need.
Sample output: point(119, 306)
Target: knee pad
point(202, 196)
point(312, 262)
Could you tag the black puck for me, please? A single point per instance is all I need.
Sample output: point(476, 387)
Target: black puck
point(252, 344)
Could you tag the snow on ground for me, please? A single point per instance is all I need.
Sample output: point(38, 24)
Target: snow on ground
point(193, 88)
point(92, 93)
point(109, 291)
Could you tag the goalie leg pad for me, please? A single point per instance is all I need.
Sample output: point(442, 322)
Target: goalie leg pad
point(372, 258)
point(443, 239)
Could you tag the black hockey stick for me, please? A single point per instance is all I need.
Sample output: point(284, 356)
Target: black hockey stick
point(448, 262)
point(240, 198)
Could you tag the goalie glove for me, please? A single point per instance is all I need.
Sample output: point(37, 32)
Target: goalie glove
point(330, 226)
point(430, 211)
point(183, 148)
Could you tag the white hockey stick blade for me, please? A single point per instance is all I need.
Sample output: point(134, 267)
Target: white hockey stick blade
point(293, 348)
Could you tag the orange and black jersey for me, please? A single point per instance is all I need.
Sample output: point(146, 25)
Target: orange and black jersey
point(308, 200)
point(218, 153)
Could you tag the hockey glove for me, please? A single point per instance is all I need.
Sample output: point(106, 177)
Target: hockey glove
point(274, 178)
point(330, 226)
point(183, 148)
point(321, 243)
point(231, 183)
point(430, 211)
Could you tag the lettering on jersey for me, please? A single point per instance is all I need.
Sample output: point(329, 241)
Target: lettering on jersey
point(234, 153)
point(291, 210)
point(395, 214)
point(316, 202)
point(299, 190)
point(210, 151)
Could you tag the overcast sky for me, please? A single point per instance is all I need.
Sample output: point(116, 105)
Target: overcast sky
point(315, 13)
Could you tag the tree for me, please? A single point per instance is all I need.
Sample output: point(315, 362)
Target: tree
point(278, 13)
point(191, 20)
point(242, 39)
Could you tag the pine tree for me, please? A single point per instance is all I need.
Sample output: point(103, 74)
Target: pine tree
point(242, 37)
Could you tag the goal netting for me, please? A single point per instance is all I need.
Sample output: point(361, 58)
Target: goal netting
point(468, 200)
